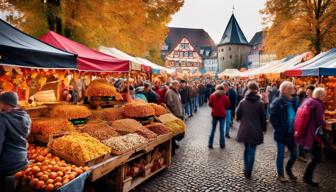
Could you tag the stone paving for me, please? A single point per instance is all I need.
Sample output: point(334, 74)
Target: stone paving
point(196, 168)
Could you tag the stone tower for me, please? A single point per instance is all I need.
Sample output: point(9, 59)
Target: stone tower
point(233, 49)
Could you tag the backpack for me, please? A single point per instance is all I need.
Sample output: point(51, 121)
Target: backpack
point(302, 119)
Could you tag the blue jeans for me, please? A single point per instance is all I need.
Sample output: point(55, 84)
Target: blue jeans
point(195, 103)
point(227, 122)
point(187, 109)
point(201, 99)
point(221, 131)
point(249, 155)
point(281, 155)
point(190, 107)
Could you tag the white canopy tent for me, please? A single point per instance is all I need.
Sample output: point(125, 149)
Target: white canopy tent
point(135, 63)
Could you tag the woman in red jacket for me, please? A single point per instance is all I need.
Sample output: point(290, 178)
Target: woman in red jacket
point(219, 102)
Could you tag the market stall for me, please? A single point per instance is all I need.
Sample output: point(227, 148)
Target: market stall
point(73, 146)
point(135, 63)
point(88, 59)
point(295, 71)
point(22, 50)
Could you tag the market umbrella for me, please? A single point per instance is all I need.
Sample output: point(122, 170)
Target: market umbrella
point(22, 50)
point(88, 59)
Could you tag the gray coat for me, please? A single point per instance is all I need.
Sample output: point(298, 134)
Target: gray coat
point(14, 129)
point(251, 114)
point(173, 102)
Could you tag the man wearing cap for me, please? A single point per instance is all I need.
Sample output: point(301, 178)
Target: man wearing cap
point(14, 129)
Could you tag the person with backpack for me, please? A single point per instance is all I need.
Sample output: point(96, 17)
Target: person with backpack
point(219, 102)
point(282, 113)
point(251, 115)
point(308, 126)
point(303, 95)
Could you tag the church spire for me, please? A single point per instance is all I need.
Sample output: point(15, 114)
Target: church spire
point(233, 33)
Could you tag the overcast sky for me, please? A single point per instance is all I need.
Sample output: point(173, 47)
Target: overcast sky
point(213, 16)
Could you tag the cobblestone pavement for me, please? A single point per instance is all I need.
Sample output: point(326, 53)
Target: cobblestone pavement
point(196, 168)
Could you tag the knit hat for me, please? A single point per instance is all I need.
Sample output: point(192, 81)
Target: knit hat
point(9, 98)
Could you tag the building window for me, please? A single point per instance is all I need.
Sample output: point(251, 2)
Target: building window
point(165, 47)
point(230, 56)
point(207, 53)
point(223, 58)
point(229, 48)
point(222, 50)
point(201, 51)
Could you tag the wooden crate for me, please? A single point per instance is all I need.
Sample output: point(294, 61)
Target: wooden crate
point(101, 169)
point(125, 185)
point(78, 162)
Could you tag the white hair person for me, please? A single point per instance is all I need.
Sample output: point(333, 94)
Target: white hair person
point(319, 93)
point(284, 85)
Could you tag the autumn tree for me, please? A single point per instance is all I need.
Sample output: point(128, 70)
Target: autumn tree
point(137, 27)
point(296, 26)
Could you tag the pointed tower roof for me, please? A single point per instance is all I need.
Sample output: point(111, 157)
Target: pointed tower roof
point(233, 33)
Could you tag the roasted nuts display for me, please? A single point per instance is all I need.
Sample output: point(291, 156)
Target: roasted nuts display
point(70, 112)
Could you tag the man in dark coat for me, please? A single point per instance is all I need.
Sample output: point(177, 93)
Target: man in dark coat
point(14, 129)
point(233, 97)
point(282, 111)
point(251, 114)
point(184, 92)
point(151, 96)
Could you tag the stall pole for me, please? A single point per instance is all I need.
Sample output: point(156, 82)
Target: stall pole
point(27, 94)
point(58, 90)
point(128, 77)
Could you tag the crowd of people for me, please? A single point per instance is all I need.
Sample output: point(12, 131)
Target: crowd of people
point(296, 117)
point(295, 113)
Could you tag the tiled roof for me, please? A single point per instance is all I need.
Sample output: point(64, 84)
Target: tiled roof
point(197, 37)
point(257, 38)
point(233, 33)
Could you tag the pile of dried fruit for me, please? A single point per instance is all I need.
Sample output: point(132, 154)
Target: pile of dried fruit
point(173, 123)
point(109, 114)
point(158, 128)
point(159, 109)
point(79, 145)
point(138, 109)
point(125, 126)
point(70, 112)
point(100, 131)
point(101, 88)
point(47, 172)
point(126, 142)
point(50, 126)
point(147, 134)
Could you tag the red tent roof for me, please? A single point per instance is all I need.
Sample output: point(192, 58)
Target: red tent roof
point(88, 59)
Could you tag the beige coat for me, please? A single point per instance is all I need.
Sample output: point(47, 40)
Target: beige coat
point(173, 102)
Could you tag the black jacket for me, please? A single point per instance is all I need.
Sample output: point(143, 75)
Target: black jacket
point(151, 96)
point(251, 114)
point(184, 95)
point(279, 119)
point(233, 97)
